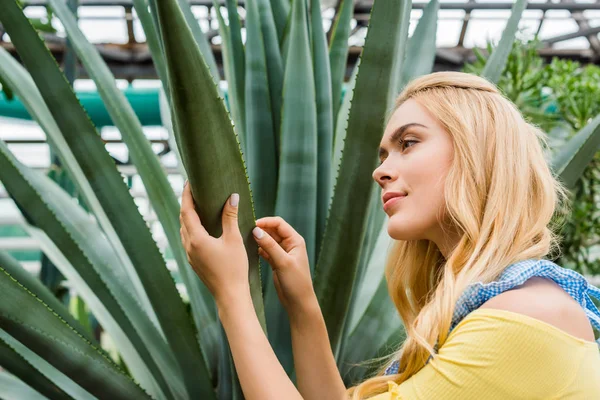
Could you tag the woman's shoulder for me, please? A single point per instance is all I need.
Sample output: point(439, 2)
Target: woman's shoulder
point(544, 300)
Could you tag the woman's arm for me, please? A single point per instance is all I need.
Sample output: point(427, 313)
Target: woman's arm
point(261, 375)
point(316, 370)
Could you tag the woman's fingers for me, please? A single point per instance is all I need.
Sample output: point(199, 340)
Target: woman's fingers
point(289, 237)
point(277, 256)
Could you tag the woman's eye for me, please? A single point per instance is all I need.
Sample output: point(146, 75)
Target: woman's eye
point(403, 142)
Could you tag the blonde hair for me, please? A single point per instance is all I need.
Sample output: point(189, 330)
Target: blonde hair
point(500, 194)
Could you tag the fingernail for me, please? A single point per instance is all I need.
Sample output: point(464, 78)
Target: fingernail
point(258, 232)
point(234, 200)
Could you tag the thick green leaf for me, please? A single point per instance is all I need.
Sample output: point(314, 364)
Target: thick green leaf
point(497, 61)
point(91, 268)
point(18, 365)
point(201, 39)
point(260, 131)
point(233, 100)
point(324, 120)
point(281, 12)
point(153, 40)
point(113, 194)
point(576, 154)
point(379, 321)
point(167, 121)
point(338, 52)
point(237, 86)
point(297, 185)
point(400, 51)
point(52, 338)
point(420, 54)
point(337, 267)
point(274, 67)
point(161, 195)
point(209, 146)
point(13, 267)
point(12, 388)
point(341, 126)
point(29, 94)
point(374, 227)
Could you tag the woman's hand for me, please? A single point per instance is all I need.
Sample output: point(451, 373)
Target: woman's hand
point(221, 263)
point(285, 250)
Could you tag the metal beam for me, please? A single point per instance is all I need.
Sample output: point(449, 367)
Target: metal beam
point(567, 36)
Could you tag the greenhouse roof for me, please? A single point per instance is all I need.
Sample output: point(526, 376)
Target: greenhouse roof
point(569, 29)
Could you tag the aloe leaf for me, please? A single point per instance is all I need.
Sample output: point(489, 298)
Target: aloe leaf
point(378, 322)
point(32, 99)
point(152, 173)
point(13, 388)
point(52, 338)
point(25, 370)
point(238, 59)
point(165, 117)
point(230, 75)
point(338, 51)
point(209, 146)
point(400, 51)
point(260, 132)
point(274, 66)
point(497, 61)
point(324, 119)
point(113, 194)
point(90, 267)
point(337, 267)
point(201, 39)
point(13, 267)
point(420, 54)
point(297, 185)
point(153, 40)
point(576, 154)
point(281, 12)
point(341, 126)
point(126, 342)
point(374, 225)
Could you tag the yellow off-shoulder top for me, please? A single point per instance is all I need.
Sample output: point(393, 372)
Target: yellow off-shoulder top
point(502, 355)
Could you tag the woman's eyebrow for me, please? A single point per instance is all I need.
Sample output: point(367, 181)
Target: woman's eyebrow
point(397, 134)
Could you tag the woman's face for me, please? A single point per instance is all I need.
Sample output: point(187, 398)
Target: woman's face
point(416, 154)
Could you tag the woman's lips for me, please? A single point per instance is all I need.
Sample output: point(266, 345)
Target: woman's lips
point(392, 202)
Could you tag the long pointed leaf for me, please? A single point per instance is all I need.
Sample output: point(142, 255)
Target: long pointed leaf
point(378, 322)
point(497, 61)
point(420, 54)
point(32, 99)
point(324, 119)
point(112, 192)
point(11, 360)
point(54, 211)
point(336, 268)
point(210, 148)
point(576, 154)
point(260, 131)
point(51, 337)
point(281, 12)
point(338, 52)
point(13, 267)
point(238, 59)
point(152, 173)
point(297, 186)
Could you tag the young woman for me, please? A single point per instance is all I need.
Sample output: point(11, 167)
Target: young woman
point(470, 199)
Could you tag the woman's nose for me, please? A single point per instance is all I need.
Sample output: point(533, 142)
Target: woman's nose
point(380, 175)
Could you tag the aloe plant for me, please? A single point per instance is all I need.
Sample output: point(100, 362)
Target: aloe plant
point(284, 140)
